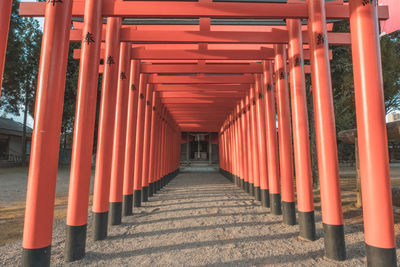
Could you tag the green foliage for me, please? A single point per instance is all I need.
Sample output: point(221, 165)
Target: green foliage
point(390, 52)
point(22, 63)
point(21, 71)
point(343, 83)
point(71, 83)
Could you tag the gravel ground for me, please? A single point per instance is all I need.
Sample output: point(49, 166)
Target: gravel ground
point(13, 182)
point(201, 219)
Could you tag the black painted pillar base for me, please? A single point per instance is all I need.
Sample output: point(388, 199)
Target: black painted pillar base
point(127, 205)
point(137, 198)
point(235, 180)
point(289, 213)
point(115, 213)
point(247, 187)
point(276, 208)
point(145, 194)
point(265, 198)
point(307, 225)
point(38, 257)
point(75, 242)
point(151, 189)
point(251, 189)
point(241, 185)
point(257, 193)
point(100, 225)
point(158, 185)
point(381, 256)
point(229, 176)
point(335, 247)
point(155, 187)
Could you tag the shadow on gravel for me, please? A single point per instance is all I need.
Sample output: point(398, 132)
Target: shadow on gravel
point(198, 208)
point(190, 229)
point(169, 219)
point(197, 201)
point(352, 249)
point(190, 245)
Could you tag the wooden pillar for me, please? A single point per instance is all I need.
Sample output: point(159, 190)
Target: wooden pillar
point(272, 146)
point(372, 135)
point(284, 136)
point(129, 165)
point(42, 177)
point(118, 152)
point(106, 130)
point(301, 138)
point(325, 133)
point(82, 147)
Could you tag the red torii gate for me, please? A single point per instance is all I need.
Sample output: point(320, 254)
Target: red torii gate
point(155, 120)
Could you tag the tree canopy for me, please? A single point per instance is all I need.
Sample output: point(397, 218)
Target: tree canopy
point(22, 63)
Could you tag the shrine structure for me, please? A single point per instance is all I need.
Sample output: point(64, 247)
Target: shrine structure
point(205, 66)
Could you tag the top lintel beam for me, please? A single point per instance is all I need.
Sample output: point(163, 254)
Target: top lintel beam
point(169, 9)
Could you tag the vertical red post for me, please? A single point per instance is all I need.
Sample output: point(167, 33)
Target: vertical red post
point(249, 146)
point(161, 149)
point(120, 126)
point(158, 149)
point(284, 136)
point(42, 175)
point(222, 149)
point(226, 148)
point(106, 130)
point(82, 147)
point(5, 15)
point(234, 166)
point(137, 186)
point(229, 146)
point(146, 144)
point(372, 137)
point(254, 133)
point(153, 143)
point(301, 141)
point(239, 144)
point(243, 135)
point(325, 132)
point(233, 147)
point(236, 148)
point(272, 146)
point(127, 201)
point(264, 187)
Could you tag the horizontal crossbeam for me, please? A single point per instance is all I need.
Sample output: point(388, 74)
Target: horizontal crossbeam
point(197, 87)
point(244, 79)
point(144, 54)
point(178, 9)
point(222, 37)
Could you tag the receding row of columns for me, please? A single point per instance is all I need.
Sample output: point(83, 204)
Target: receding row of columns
point(249, 144)
point(250, 149)
point(138, 146)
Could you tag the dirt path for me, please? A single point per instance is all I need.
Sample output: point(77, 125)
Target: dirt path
point(200, 219)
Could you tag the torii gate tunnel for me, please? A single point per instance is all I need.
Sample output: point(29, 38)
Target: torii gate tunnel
point(204, 66)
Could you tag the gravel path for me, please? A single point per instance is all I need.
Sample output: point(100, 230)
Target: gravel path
point(201, 219)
